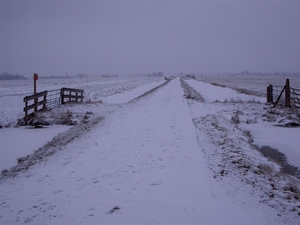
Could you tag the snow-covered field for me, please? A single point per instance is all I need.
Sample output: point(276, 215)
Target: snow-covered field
point(157, 159)
point(255, 84)
point(96, 89)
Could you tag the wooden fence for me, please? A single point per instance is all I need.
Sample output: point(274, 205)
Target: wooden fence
point(49, 100)
point(71, 95)
point(284, 95)
point(33, 104)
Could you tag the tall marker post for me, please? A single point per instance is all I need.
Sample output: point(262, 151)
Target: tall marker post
point(35, 78)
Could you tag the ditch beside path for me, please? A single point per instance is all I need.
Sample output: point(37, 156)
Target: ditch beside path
point(141, 165)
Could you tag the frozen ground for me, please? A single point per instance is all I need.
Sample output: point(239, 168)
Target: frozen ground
point(161, 159)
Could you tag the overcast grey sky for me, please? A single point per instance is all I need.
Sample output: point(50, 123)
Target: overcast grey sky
point(100, 37)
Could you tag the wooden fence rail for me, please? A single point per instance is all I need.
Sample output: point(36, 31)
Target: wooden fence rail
point(50, 100)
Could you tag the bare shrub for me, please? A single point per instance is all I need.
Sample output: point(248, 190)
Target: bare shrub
point(233, 100)
point(266, 169)
point(248, 92)
point(251, 121)
point(20, 122)
point(219, 85)
point(249, 136)
point(294, 189)
point(89, 101)
point(69, 113)
point(7, 125)
point(86, 117)
point(253, 100)
point(235, 119)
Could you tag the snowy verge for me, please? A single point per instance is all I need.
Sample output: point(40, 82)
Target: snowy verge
point(232, 158)
point(190, 92)
point(232, 153)
point(18, 142)
point(24, 163)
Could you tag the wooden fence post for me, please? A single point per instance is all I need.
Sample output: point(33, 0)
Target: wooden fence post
point(62, 96)
point(26, 113)
point(45, 100)
point(35, 78)
point(287, 94)
point(270, 93)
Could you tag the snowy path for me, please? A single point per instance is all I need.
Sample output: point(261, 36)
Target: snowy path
point(144, 160)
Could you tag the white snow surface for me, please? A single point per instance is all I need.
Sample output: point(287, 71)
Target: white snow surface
point(155, 161)
point(22, 141)
point(288, 140)
point(212, 93)
point(132, 94)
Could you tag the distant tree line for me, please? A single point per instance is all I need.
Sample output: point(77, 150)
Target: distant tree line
point(7, 76)
point(109, 75)
point(157, 74)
